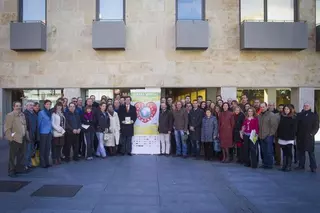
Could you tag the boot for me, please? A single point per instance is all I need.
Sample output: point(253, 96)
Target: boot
point(289, 164)
point(284, 164)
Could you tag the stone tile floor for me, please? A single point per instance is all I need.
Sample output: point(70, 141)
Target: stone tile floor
point(157, 184)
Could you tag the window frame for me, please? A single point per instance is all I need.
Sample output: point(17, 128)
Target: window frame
point(98, 11)
point(203, 8)
point(265, 11)
point(20, 11)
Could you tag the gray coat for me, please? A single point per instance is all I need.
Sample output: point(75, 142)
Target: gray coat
point(209, 129)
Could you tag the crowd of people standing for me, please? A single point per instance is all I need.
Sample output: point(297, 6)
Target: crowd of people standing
point(224, 131)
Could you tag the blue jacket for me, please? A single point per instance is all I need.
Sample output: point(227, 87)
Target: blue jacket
point(44, 122)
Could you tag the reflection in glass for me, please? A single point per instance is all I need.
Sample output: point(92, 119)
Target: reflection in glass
point(34, 10)
point(281, 10)
point(252, 10)
point(189, 10)
point(111, 9)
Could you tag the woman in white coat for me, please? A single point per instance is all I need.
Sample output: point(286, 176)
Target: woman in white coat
point(58, 125)
point(113, 139)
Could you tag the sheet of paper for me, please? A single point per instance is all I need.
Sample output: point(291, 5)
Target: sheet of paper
point(12, 134)
point(85, 126)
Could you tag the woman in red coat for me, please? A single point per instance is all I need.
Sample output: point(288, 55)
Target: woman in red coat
point(226, 124)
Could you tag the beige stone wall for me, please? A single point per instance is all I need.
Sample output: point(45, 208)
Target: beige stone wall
point(150, 59)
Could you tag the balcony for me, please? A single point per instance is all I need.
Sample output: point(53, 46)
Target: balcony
point(318, 38)
point(28, 36)
point(273, 35)
point(192, 34)
point(108, 34)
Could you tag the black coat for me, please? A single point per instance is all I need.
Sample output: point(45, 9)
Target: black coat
point(195, 120)
point(32, 125)
point(308, 126)
point(102, 121)
point(238, 121)
point(73, 121)
point(127, 129)
point(165, 122)
point(287, 128)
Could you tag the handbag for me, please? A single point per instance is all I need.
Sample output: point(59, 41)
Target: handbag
point(216, 145)
point(57, 134)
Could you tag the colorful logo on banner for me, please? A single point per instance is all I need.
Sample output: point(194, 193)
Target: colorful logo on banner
point(146, 112)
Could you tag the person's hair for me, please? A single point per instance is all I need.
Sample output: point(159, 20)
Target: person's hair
point(292, 106)
point(237, 107)
point(109, 105)
point(204, 103)
point(218, 96)
point(220, 101)
point(178, 102)
point(265, 103)
point(189, 104)
point(89, 99)
point(187, 96)
point(128, 97)
point(56, 106)
point(225, 103)
point(200, 96)
point(101, 103)
point(47, 101)
point(36, 104)
point(247, 104)
point(291, 113)
point(211, 104)
point(16, 102)
point(88, 107)
point(92, 96)
point(109, 100)
point(214, 110)
point(208, 110)
point(253, 111)
point(79, 98)
point(234, 101)
point(209, 100)
point(71, 103)
point(281, 105)
point(29, 102)
point(60, 100)
point(74, 98)
point(194, 100)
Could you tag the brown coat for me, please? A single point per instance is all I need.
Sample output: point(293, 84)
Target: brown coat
point(226, 124)
point(180, 119)
point(15, 127)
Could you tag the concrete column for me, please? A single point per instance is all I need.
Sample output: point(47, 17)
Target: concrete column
point(2, 114)
point(211, 93)
point(5, 106)
point(71, 92)
point(301, 95)
point(227, 92)
point(270, 95)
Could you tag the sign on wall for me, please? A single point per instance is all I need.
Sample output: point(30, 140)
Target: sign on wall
point(146, 137)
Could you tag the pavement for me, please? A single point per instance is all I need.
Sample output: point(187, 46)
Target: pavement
point(158, 184)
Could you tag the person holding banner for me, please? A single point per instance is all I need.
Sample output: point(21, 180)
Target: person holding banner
point(180, 125)
point(250, 148)
point(127, 116)
point(165, 127)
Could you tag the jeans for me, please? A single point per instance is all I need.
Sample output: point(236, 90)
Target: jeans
point(29, 153)
point(196, 148)
point(181, 144)
point(45, 146)
point(267, 151)
point(126, 144)
point(164, 143)
point(101, 152)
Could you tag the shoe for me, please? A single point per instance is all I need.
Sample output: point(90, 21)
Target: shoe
point(185, 157)
point(12, 175)
point(24, 171)
point(299, 168)
point(314, 170)
point(129, 154)
point(247, 165)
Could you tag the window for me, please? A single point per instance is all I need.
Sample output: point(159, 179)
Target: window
point(280, 10)
point(269, 10)
point(252, 10)
point(318, 12)
point(190, 9)
point(32, 10)
point(110, 10)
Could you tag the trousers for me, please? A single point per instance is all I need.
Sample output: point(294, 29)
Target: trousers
point(164, 143)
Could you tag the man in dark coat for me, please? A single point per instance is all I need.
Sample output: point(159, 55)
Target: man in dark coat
point(195, 120)
point(308, 126)
point(125, 112)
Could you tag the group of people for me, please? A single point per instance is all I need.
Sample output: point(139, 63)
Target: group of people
point(231, 130)
point(222, 130)
point(90, 131)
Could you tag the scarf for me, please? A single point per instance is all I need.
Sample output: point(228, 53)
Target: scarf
point(88, 115)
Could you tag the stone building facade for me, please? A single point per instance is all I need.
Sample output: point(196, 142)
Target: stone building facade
point(150, 58)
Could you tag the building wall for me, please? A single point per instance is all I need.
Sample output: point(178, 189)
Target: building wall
point(150, 59)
